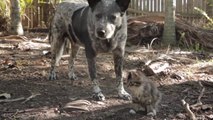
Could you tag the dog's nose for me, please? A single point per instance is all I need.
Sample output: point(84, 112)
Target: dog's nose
point(101, 33)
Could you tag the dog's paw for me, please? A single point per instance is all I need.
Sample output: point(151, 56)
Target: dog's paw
point(124, 95)
point(52, 75)
point(98, 96)
point(72, 76)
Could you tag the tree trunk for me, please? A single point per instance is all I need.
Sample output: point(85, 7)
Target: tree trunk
point(16, 25)
point(169, 37)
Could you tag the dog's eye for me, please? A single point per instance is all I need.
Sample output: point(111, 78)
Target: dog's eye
point(98, 16)
point(112, 17)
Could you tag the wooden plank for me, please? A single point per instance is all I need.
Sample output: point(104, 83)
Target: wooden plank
point(185, 6)
point(133, 4)
point(35, 14)
point(190, 6)
point(148, 5)
point(141, 5)
point(144, 5)
point(156, 6)
point(179, 6)
point(151, 6)
point(130, 5)
point(137, 8)
point(163, 5)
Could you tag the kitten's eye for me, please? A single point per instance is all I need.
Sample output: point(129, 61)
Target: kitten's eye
point(131, 83)
point(98, 16)
point(137, 83)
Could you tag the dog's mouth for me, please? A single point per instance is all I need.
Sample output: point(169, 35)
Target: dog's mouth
point(106, 44)
point(102, 38)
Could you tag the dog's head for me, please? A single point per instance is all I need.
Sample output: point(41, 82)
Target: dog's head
point(107, 16)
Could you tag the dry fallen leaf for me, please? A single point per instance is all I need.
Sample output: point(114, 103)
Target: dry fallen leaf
point(5, 96)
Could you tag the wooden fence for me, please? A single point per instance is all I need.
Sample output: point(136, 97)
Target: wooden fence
point(40, 13)
point(184, 8)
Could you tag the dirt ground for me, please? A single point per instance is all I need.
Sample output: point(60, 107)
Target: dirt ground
point(24, 77)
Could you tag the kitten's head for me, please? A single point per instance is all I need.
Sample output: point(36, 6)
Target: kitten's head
point(135, 78)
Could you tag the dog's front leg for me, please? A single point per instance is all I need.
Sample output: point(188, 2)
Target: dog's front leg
point(93, 76)
point(118, 55)
point(73, 54)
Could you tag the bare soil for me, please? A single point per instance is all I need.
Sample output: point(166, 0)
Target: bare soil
point(24, 72)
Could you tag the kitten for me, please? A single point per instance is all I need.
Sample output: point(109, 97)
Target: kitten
point(144, 91)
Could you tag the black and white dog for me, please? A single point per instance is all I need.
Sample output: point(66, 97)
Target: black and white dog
point(100, 26)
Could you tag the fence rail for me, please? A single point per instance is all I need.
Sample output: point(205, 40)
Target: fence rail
point(41, 12)
point(184, 8)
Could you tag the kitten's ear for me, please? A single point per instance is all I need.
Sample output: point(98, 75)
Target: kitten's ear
point(129, 77)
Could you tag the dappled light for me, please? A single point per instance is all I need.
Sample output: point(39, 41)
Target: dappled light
point(24, 74)
point(166, 82)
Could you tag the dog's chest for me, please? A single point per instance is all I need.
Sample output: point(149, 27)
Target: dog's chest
point(104, 45)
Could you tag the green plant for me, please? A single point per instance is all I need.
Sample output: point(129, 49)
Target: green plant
point(24, 4)
point(198, 47)
point(4, 14)
point(4, 8)
point(209, 24)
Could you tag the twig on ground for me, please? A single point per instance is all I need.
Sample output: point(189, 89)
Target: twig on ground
point(201, 93)
point(188, 110)
point(31, 97)
point(13, 116)
point(12, 100)
point(21, 98)
point(199, 103)
point(15, 37)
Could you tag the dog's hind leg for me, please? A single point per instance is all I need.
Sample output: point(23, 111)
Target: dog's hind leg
point(57, 47)
point(73, 54)
point(118, 62)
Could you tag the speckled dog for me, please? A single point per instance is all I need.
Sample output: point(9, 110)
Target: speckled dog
point(99, 26)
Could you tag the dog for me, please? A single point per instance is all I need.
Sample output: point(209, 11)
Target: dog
point(99, 26)
point(144, 91)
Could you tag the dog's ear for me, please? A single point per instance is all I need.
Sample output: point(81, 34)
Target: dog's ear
point(92, 3)
point(123, 4)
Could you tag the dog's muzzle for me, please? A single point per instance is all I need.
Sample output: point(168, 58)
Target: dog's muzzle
point(101, 34)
